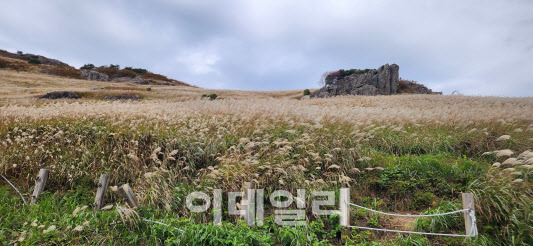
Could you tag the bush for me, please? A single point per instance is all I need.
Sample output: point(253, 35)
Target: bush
point(307, 92)
point(34, 61)
point(20, 52)
point(60, 94)
point(137, 70)
point(329, 78)
point(87, 66)
point(212, 96)
point(149, 89)
point(117, 67)
point(13, 65)
point(424, 200)
point(63, 71)
point(154, 76)
point(4, 64)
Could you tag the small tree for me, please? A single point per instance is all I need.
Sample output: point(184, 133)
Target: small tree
point(307, 92)
point(20, 52)
point(117, 67)
point(87, 66)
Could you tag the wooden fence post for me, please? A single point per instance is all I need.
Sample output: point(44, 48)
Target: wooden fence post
point(344, 199)
point(468, 203)
point(40, 183)
point(100, 192)
point(127, 193)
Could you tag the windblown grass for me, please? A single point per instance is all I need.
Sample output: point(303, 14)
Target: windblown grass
point(405, 154)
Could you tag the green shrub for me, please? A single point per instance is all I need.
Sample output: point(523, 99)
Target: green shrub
point(442, 224)
point(149, 89)
point(4, 64)
point(211, 96)
point(424, 200)
point(137, 70)
point(87, 66)
point(307, 92)
point(34, 61)
point(117, 67)
point(504, 212)
point(353, 71)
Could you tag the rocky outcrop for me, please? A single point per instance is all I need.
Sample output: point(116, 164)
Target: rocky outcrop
point(60, 94)
point(93, 75)
point(381, 81)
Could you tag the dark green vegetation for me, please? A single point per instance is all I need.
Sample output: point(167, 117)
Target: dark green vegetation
point(331, 77)
point(424, 169)
point(34, 61)
point(211, 96)
point(87, 66)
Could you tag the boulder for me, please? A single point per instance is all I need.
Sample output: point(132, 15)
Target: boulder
point(94, 75)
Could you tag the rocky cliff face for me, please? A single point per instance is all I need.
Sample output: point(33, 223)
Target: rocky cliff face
point(370, 82)
point(381, 81)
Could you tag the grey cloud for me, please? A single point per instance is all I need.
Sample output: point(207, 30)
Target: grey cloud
point(475, 47)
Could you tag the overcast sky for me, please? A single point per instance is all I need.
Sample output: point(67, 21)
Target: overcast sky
point(474, 47)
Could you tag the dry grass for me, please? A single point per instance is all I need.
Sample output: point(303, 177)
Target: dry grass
point(173, 142)
point(457, 110)
point(22, 87)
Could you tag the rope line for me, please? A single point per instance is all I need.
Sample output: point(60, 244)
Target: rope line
point(473, 229)
point(410, 215)
point(14, 188)
point(412, 232)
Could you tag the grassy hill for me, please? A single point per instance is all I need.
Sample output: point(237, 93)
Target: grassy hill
point(403, 154)
point(41, 64)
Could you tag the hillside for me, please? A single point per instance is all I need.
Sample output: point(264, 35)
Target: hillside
point(405, 154)
point(40, 64)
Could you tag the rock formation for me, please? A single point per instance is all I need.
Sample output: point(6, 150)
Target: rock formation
point(381, 81)
point(94, 75)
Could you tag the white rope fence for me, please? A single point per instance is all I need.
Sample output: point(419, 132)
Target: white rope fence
point(12, 185)
point(468, 211)
point(410, 215)
point(471, 214)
